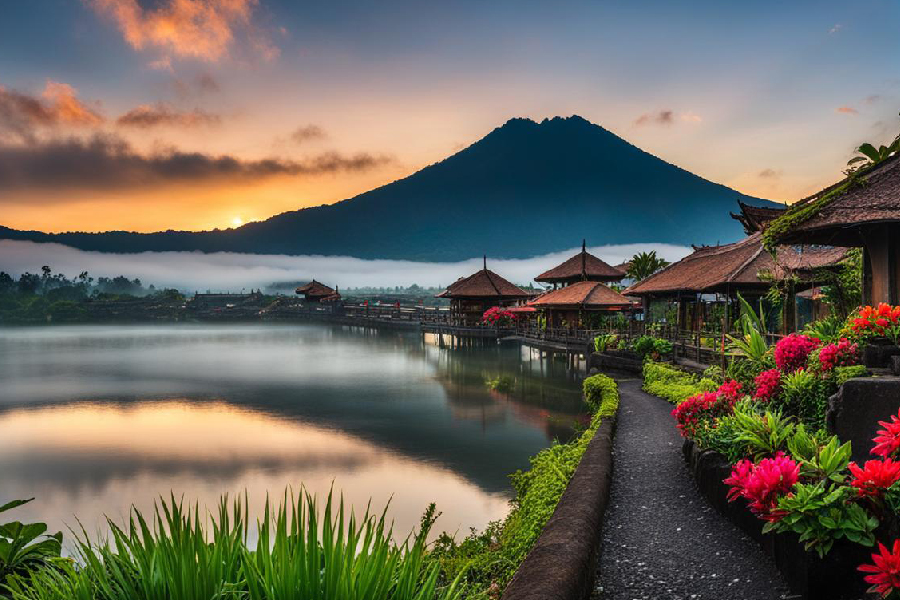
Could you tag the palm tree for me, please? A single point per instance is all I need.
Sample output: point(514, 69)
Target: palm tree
point(645, 264)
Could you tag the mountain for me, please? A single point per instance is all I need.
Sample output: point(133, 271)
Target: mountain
point(525, 189)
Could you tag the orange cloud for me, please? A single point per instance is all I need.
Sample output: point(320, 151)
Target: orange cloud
point(846, 110)
point(21, 114)
point(202, 29)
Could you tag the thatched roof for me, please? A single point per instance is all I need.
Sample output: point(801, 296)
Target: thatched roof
point(735, 266)
point(483, 284)
point(315, 289)
point(583, 265)
point(755, 218)
point(583, 294)
point(873, 198)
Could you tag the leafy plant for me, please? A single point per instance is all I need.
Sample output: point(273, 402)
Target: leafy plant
point(645, 264)
point(673, 384)
point(25, 547)
point(760, 435)
point(822, 513)
point(606, 341)
point(752, 342)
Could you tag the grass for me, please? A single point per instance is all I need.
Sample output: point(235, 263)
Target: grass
point(302, 553)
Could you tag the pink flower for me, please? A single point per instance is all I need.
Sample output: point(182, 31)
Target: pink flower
point(791, 352)
point(768, 384)
point(841, 354)
point(875, 477)
point(730, 392)
point(885, 577)
point(763, 484)
point(887, 441)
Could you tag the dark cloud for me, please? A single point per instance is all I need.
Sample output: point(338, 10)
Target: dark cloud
point(147, 116)
point(769, 174)
point(663, 117)
point(308, 132)
point(109, 162)
point(207, 83)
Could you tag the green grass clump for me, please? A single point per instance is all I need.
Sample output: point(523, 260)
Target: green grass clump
point(487, 560)
point(302, 554)
point(673, 384)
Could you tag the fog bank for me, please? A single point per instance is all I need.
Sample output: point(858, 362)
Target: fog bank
point(227, 271)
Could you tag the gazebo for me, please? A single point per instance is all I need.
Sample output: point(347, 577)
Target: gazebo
point(318, 292)
point(861, 211)
point(584, 266)
point(743, 267)
point(472, 295)
point(573, 303)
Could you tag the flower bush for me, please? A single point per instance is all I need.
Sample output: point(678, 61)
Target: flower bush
point(763, 484)
point(497, 316)
point(883, 321)
point(842, 354)
point(768, 384)
point(705, 406)
point(792, 352)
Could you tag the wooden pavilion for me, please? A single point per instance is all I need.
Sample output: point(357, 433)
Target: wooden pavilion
point(584, 266)
point(472, 295)
point(722, 272)
point(573, 304)
point(315, 292)
point(862, 211)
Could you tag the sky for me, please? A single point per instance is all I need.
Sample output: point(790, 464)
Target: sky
point(149, 115)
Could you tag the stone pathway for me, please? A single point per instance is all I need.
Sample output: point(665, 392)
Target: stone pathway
point(661, 540)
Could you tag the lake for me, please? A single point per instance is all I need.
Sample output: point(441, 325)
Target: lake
point(94, 419)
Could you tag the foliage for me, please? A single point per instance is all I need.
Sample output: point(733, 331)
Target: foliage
point(673, 384)
point(301, 554)
point(822, 513)
point(760, 434)
point(752, 342)
point(645, 264)
point(842, 288)
point(502, 383)
point(606, 341)
point(800, 213)
point(25, 547)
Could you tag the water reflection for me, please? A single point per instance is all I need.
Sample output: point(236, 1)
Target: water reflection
point(95, 418)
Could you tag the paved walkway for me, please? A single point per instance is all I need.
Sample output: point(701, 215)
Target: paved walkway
point(661, 540)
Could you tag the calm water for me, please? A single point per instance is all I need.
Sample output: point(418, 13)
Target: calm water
point(94, 419)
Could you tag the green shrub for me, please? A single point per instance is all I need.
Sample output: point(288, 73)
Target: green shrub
point(673, 384)
point(643, 345)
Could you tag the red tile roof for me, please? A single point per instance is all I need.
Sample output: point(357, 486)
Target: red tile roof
point(586, 294)
point(714, 268)
point(582, 263)
point(483, 284)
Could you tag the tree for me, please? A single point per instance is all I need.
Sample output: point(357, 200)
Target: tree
point(872, 155)
point(645, 264)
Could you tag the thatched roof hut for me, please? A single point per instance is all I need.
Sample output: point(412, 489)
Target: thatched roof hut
point(471, 296)
point(584, 266)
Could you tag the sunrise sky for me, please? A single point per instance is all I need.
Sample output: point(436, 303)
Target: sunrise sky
point(193, 114)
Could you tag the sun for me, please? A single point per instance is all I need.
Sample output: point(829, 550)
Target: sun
point(237, 221)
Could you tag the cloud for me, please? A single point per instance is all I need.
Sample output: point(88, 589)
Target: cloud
point(207, 83)
point(770, 174)
point(200, 29)
point(222, 271)
point(160, 114)
point(846, 110)
point(109, 162)
point(666, 118)
point(308, 132)
point(835, 28)
point(874, 98)
point(21, 114)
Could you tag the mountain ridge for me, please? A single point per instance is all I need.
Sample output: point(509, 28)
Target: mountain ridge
point(524, 189)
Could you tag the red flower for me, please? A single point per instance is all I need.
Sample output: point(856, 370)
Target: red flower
point(687, 414)
point(730, 392)
point(762, 484)
point(883, 321)
point(885, 573)
point(875, 477)
point(888, 439)
point(768, 384)
point(841, 354)
point(792, 351)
